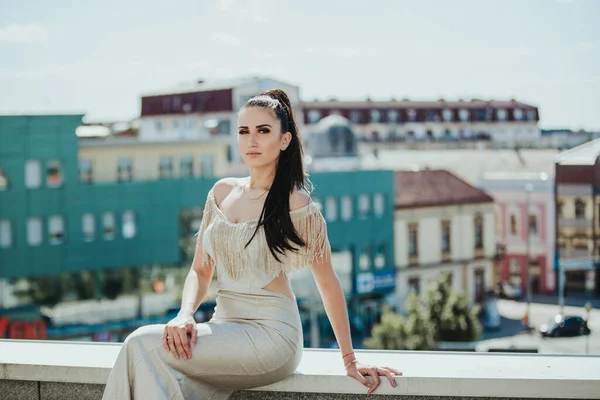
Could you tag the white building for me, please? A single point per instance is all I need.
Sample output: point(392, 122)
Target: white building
point(205, 111)
point(441, 224)
point(504, 123)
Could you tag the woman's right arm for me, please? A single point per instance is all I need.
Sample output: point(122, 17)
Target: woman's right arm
point(197, 281)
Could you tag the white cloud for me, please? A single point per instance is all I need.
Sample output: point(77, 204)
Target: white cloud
point(226, 38)
point(585, 47)
point(251, 9)
point(27, 34)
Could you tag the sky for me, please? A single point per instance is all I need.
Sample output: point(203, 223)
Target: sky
point(100, 57)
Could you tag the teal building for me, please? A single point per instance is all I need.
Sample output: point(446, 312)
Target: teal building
point(55, 220)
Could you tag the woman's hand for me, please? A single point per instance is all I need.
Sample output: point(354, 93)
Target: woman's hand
point(358, 371)
point(175, 337)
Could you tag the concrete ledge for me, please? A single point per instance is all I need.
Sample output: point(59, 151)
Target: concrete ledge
point(78, 370)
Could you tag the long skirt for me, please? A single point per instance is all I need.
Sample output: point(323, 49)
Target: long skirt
point(254, 339)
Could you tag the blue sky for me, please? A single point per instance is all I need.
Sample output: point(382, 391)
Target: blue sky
point(99, 57)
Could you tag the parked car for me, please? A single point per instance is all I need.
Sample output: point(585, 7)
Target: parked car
point(562, 326)
point(508, 291)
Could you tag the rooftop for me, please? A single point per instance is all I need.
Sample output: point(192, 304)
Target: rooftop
point(79, 370)
point(469, 164)
point(584, 154)
point(434, 188)
point(474, 103)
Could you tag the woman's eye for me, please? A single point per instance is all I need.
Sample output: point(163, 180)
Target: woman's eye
point(243, 132)
point(264, 131)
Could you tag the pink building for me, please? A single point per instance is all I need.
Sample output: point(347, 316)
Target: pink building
point(525, 217)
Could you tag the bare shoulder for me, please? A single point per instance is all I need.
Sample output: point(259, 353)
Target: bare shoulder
point(223, 187)
point(299, 199)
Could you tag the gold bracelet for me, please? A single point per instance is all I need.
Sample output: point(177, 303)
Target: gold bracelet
point(350, 363)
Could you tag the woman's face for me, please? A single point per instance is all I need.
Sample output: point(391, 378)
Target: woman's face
point(260, 139)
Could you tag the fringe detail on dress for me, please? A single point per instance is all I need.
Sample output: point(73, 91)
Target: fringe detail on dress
point(228, 241)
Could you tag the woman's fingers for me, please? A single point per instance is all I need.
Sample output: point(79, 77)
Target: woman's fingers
point(373, 373)
point(387, 373)
point(193, 331)
point(182, 344)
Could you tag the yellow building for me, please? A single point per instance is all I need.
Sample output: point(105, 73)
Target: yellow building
point(121, 159)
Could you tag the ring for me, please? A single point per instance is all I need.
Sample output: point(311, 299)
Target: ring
point(169, 337)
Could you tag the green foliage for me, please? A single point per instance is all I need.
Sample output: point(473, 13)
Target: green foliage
point(47, 290)
point(450, 315)
point(443, 316)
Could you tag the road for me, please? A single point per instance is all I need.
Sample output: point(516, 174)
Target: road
point(539, 314)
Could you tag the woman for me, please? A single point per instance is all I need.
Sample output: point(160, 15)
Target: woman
point(255, 335)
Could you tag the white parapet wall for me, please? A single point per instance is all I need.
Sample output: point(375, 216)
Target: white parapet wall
point(78, 370)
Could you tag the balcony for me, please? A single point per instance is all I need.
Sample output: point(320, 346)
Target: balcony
point(76, 370)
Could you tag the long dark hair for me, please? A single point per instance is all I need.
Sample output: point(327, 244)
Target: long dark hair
point(289, 175)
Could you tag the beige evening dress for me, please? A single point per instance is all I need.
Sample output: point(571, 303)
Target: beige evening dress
point(255, 335)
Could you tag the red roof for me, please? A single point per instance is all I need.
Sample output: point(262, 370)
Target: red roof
point(429, 188)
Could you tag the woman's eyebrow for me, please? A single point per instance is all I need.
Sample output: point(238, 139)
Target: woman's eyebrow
point(258, 126)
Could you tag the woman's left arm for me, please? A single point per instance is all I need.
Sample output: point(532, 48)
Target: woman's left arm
point(335, 306)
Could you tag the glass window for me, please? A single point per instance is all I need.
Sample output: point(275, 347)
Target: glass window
point(533, 225)
point(446, 236)
point(56, 230)
point(108, 225)
point(393, 115)
point(3, 180)
point(331, 208)
point(187, 167)
point(346, 208)
point(375, 115)
point(463, 114)
point(447, 115)
point(515, 272)
point(124, 169)
point(365, 257)
point(363, 206)
point(34, 231)
point(355, 117)
point(413, 240)
point(378, 204)
point(128, 224)
point(517, 114)
point(165, 168)
point(5, 234)
point(412, 115)
point(206, 166)
point(501, 114)
point(314, 116)
point(33, 174)
point(85, 171)
point(380, 257)
point(531, 115)
point(54, 176)
point(579, 209)
point(158, 126)
point(89, 227)
point(478, 232)
point(514, 225)
point(414, 285)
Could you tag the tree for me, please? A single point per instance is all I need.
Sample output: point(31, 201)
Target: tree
point(396, 332)
point(46, 290)
point(442, 316)
point(449, 313)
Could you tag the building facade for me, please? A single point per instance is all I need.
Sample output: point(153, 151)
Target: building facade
point(442, 224)
point(577, 223)
point(205, 111)
point(505, 123)
point(54, 221)
point(525, 216)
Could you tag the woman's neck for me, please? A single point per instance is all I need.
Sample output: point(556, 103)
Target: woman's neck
point(261, 179)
